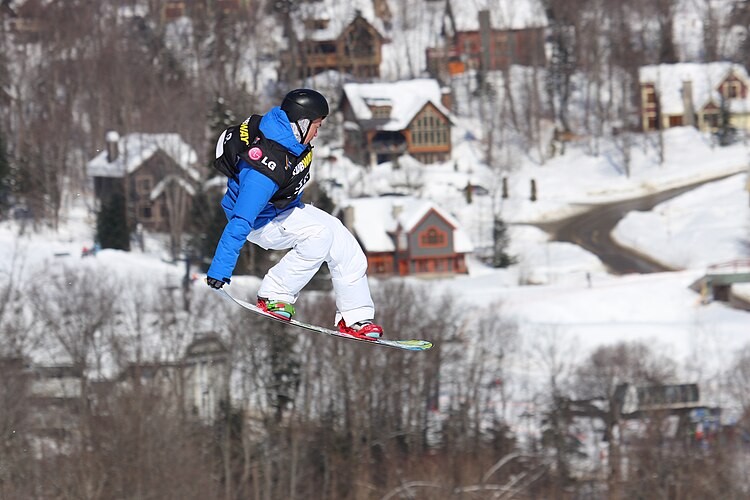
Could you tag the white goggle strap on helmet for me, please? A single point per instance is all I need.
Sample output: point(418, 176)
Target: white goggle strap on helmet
point(303, 127)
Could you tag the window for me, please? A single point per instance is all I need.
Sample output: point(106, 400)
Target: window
point(731, 90)
point(144, 212)
point(359, 43)
point(675, 121)
point(380, 111)
point(433, 237)
point(711, 119)
point(648, 95)
point(429, 129)
point(143, 185)
point(380, 265)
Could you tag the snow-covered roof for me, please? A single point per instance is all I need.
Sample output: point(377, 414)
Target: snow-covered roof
point(336, 16)
point(406, 99)
point(162, 185)
point(373, 219)
point(705, 79)
point(504, 14)
point(135, 149)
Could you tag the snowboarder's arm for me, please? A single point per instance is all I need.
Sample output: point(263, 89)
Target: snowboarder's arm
point(255, 191)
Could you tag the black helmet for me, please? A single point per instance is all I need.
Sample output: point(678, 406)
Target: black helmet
point(304, 103)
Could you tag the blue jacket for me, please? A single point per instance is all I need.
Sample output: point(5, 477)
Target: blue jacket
point(247, 202)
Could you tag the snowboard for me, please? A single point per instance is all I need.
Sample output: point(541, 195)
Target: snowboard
point(409, 345)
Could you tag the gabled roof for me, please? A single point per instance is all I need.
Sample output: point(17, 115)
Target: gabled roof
point(336, 14)
point(705, 78)
point(162, 185)
point(504, 14)
point(136, 149)
point(374, 221)
point(406, 98)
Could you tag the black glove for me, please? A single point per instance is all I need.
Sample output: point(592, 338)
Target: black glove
point(214, 283)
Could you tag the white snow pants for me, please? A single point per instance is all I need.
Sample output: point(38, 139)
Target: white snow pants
point(314, 237)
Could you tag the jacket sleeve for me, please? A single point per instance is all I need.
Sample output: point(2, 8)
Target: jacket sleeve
point(255, 191)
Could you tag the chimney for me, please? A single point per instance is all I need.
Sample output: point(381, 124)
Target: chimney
point(446, 98)
point(113, 150)
point(349, 218)
point(485, 30)
point(397, 210)
point(687, 104)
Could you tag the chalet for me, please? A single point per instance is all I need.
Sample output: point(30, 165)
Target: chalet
point(328, 40)
point(154, 172)
point(402, 236)
point(694, 94)
point(489, 35)
point(385, 120)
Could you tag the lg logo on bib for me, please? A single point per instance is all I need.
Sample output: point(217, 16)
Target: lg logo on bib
point(270, 164)
point(255, 154)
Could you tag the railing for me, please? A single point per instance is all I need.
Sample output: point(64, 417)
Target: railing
point(730, 267)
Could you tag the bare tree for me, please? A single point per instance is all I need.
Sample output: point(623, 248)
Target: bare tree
point(600, 376)
point(17, 466)
point(75, 306)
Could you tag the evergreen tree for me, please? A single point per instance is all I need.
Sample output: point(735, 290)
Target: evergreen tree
point(112, 229)
point(725, 133)
point(285, 374)
point(500, 240)
point(219, 120)
point(206, 223)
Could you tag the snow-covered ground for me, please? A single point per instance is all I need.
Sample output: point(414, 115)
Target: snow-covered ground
point(574, 303)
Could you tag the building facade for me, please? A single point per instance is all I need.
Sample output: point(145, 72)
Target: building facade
point(489, 36)
point(355, 49)
point(706, 96)
point(405, 236)
point(383, 121)
point(153, 172)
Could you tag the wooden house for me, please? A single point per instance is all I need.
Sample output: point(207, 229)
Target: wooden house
point(327, 41)
point(694, 94)
point(403, 236)
point(154, 172)
point(488, 35)
point(385, 120)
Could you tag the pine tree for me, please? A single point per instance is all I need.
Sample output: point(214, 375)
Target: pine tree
point(112, 229)
point(207, 221)
point(285, 374)
point(219, 120)
point(501, 240)
point(726, 132)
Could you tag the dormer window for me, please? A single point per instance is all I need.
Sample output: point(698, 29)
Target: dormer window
point(316, 24)
point(380, 108)
point(732, 88)
point(380, 111)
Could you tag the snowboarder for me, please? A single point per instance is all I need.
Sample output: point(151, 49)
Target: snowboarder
point(267, 159)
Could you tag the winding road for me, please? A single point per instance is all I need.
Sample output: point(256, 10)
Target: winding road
point(591, 230)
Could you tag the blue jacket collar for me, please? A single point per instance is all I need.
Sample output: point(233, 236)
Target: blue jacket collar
point(275, 126)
